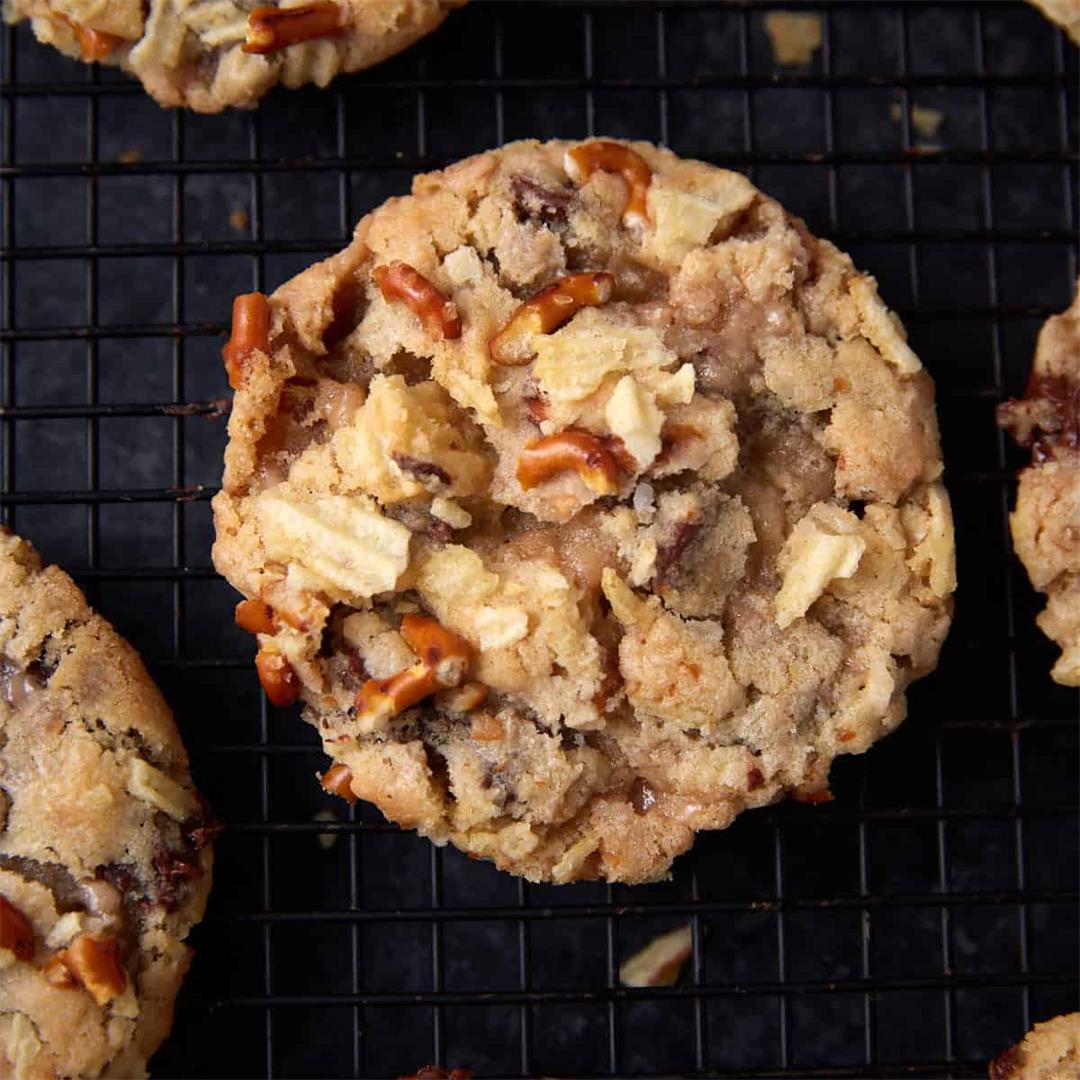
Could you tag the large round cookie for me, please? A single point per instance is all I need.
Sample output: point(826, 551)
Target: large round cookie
point(588, 500)
point(210, 55)
point(1046, 522)
point(104, 856)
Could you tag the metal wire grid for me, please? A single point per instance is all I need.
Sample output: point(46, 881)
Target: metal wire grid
point(337, 962)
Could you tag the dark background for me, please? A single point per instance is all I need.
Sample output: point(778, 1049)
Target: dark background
point(919, 923)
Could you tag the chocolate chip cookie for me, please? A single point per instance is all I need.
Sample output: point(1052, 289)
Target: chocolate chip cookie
point(1046, 522)
point(587, 500)
point(104, 849)
point(1049, 1051)
point(210, 55)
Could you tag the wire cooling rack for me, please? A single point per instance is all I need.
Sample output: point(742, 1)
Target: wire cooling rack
point(915, 926)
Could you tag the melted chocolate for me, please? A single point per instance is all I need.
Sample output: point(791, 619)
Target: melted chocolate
point(667, 560)
point(642, 796)
point(421, 469)
point(1046, 418)
point(534, 202)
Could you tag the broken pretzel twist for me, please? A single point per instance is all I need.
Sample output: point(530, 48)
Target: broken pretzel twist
point(569, 451)
point(601, 156)
point(547, 311)
point(400, 283)
point(273, 28)
point(443, 660)
point(279, 681)
point(250, 331)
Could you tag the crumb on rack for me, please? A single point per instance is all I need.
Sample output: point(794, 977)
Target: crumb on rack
point(239, 221)
point(131, 156)
point(326, 839)
point(660, 962)
point(794, 37)
point(925, 122)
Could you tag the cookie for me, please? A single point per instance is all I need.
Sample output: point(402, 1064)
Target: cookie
point(587, 500)
point(1049, 1051)
point(1046, 522)
point(209, 55)
point(104, 849)
point(1066, 13)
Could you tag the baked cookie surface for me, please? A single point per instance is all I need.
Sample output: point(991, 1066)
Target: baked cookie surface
point(104, 849)
point(1046, 522)
point(587, 500)
point(209, 55)
point(1049, 1051)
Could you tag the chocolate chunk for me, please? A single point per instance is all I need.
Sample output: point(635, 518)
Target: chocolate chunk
point(174, 871)
point(121, 875)
point(1046, 418)
point(667, 559)
point(439, 531)
point(347, 305)
point(534, 202)
point(421, 470)
point(179, 864)
point(642, 796)
point(198, 836)
point(1007, 1065)
point(56, 878)
point(754, 779)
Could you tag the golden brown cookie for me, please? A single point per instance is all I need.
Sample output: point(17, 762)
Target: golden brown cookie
point(1049, 1051)
point(210, 55)
point(104, 849)
point(1046, 522)
point(587, 500)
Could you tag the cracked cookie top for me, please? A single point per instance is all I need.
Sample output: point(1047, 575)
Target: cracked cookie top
point(586, 499)
point(104, 842)
point(1046, 522)
point(210, 55)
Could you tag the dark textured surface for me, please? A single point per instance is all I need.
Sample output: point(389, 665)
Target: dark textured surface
point(917, 924)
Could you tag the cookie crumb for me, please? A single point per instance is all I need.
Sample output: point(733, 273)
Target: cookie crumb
point(326, 839)
point(239, 221)
point(661, 961)
point(925, 122)
point(794, 37)
point(130, 157)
